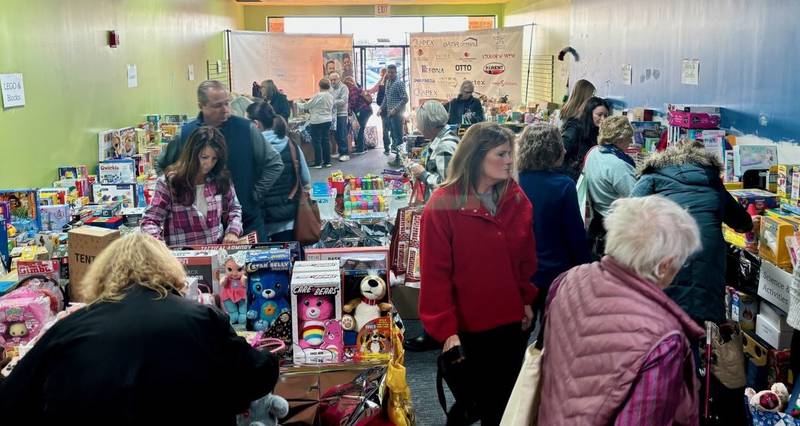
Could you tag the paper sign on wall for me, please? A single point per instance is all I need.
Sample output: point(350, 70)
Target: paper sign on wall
point(190, 72)
point(627, 74)
point(690, 72)
point(13, 90)
point(133, 77)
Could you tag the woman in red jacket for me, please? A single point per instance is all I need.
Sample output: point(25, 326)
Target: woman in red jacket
point(478, 254)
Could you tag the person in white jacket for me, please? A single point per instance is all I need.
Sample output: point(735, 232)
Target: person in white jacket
point(320, 106)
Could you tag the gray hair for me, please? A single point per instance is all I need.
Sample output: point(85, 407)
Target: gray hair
point(644, 231)
point(204, 87)
point(431, 115)
point(466, 83)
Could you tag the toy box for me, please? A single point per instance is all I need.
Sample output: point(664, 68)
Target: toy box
point(55, 217)
point(113, 172)
point(125, 193)
point(774, 284)
point(693, 120)
point(753, 157)
point(366, 307)
point(268, 279)
point(85, 243)
point(119, 143)
point(50, 196)
point(744, 309)
point(772, 241)
point(133, 216)
point(73, 172)
point(22, 317)
point(22, 204)
point(317, 312)
point(784, 188)
point(773, 333)
point(105, 222)
point(763, 200)
point(203, 264)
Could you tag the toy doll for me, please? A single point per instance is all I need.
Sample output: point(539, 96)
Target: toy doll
point(314, 311)
point(234, 289)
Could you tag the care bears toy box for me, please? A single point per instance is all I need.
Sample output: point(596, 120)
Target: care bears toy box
point(268, 287)
point(317, 308)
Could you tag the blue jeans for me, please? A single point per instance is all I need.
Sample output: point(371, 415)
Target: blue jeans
point(341, 134)
point(387, 143)
point(396, 129)
point(362, 116)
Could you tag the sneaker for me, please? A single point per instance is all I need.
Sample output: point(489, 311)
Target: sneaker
point(316, 166)
point(387, 153)
point(359, 153)
point(344, 158)
point(327, 165)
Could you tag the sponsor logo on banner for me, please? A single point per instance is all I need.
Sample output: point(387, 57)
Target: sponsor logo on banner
point(499, 56)
point(426, 93)
point(494, 68)
point(419, 52)
point(504, 83)
point(442, 56)
point(479, 83)
point(422, 42)
point(451, 82)
point(468, 57)
point(467, 42)
point(463, 67)
point(499, 40)
point(424, 80)
point(432, 70)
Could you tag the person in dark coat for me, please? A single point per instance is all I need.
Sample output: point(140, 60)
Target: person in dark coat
point(580, 134)
point(557, 221)
point(279, 101)
point(465, 108)
point(139, 353)
point(689, 175)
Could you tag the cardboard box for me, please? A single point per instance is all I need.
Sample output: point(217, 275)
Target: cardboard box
point(774, 315)
point(772, 241)
point(203, 264)
point(773, 285)
point(772, 333)
point(114, 172)
point(85, 243)
point(54, 217)
point(753, 157)
point(125, 193)
point(784, 189)
point(744, 309)
point(763, 200)
point(642, 114)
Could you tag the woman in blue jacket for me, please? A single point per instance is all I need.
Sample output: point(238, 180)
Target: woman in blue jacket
point(689, 175)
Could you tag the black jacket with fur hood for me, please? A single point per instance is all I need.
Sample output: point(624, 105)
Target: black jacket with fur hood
point(689, 175)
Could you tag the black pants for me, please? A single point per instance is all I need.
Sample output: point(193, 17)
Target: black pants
point(494, 358)
point(321, 141)
point(282, 236)
point(387, 143)
point(362, 116)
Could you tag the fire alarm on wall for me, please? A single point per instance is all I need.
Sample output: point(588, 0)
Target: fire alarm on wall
point(113, 38)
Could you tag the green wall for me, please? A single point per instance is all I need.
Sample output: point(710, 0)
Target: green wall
point(255, 17)
point(75, 85)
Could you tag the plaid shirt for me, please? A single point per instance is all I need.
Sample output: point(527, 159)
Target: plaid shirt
point(177, 224)
point(357, 102)
point(396, 96)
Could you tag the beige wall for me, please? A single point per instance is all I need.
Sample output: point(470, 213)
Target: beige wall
point(551, 32)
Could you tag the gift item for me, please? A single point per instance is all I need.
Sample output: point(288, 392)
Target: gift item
point(55, 217)
point(203, 264)
point(85, 243)
point(22, 316)
point(124, 193)
point(760, 199)
point(22, 205)
point(105, 222)
point(772, 241)
point(753, 157)
point(744, 309)
point(233, 289)
point(119, 143)
point(73, 172)
point(316, 307)
point(268, 290)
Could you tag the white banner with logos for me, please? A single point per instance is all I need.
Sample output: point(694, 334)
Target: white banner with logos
point(492, 59)
point(293, 61)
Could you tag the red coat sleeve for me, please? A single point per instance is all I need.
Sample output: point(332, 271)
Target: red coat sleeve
point(527, 264)
point(436, 305)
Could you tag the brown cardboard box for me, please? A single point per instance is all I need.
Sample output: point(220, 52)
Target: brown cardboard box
point(85, 243)
point(406, 300)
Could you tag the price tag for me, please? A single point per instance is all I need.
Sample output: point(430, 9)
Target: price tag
point(13, 90)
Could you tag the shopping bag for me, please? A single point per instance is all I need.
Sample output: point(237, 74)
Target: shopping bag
point(584, 204)
point(400, 410)
point(523, 406)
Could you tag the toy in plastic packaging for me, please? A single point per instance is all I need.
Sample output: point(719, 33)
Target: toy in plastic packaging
point(233, 289)
point(23, 313)
point(268, 287)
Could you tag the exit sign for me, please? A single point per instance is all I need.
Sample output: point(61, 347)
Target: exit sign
point(383, 10)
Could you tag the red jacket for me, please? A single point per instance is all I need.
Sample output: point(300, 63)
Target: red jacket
point(475, 267)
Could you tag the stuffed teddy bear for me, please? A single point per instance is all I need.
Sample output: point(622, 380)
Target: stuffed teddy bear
point(369, 306)
point(333, 338)
point(773, 400)
point(268, 290)
point(268, 410)
point(314, 311)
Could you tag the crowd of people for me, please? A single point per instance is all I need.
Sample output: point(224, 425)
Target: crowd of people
point(618, 294)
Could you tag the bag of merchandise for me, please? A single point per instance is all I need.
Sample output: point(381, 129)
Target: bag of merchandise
point(401, 412)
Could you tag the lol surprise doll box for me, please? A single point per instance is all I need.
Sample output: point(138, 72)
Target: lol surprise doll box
point(316, 315)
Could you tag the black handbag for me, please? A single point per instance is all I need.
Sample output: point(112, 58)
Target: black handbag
point(452, 369)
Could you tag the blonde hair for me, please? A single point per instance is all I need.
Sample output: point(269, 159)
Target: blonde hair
point(465, 167)
point(135, 259)
point(572, 109)
point(614, 129)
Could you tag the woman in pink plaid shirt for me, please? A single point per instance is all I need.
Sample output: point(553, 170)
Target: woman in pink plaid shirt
point(195, 194)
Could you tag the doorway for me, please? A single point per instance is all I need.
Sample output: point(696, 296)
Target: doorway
point(371, 59)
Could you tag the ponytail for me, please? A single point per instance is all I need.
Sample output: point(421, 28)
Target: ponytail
point(279, 126)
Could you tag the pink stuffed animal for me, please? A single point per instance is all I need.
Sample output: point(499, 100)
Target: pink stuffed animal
point(333, 341)
point(314, 311)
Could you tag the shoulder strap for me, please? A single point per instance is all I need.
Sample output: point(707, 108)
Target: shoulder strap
point(296, 165)
point(440, 389)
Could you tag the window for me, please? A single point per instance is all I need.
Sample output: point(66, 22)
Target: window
point(376, 30)
point(441, 24)
point(312, 25)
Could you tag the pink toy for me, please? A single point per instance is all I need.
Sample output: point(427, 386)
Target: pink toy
point(233, 293)
point(314, 311)
point(333, 340)
point(22, 317)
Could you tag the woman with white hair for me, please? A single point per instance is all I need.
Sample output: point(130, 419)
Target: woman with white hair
point(465, 108)
point(617, 349)
point(432, 122)
point(139, 353)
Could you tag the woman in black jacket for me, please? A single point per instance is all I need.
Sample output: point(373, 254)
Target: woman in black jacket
point(139, 353)
point(279, 102)
point(580, 134)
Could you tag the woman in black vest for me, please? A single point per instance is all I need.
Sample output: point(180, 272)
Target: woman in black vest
point(281, 201)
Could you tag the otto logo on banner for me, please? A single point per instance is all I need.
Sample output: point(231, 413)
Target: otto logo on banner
point(463, 68)
point(494, 68)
